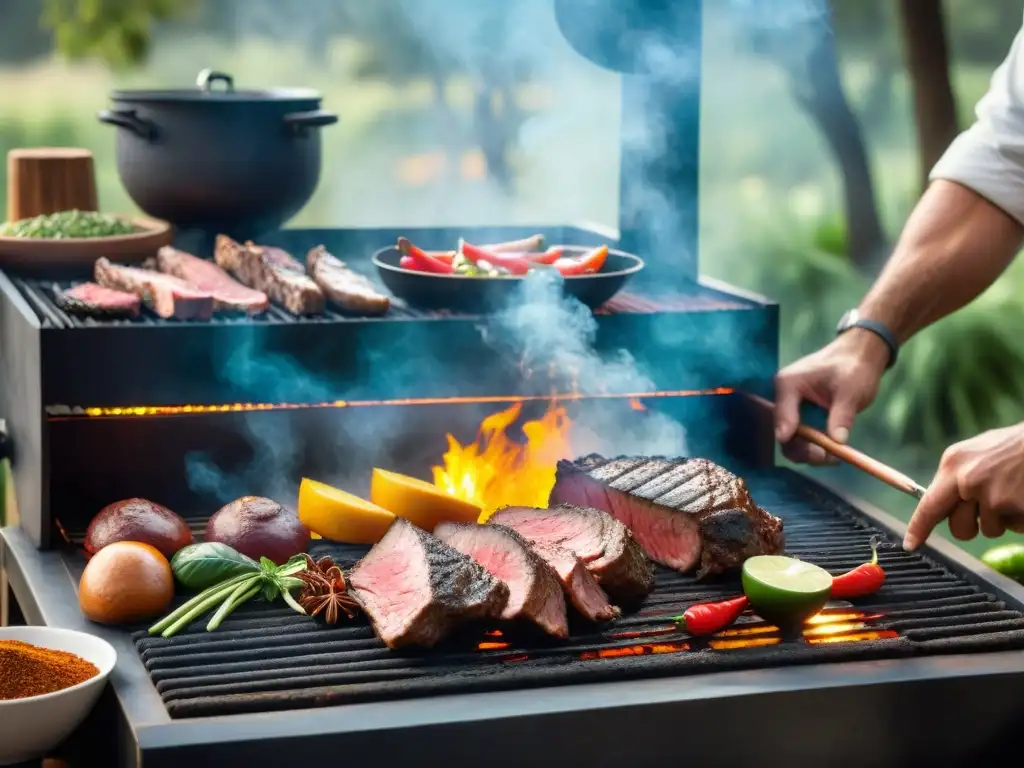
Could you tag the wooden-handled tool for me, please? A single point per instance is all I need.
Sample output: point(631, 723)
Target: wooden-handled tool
point(862, 461)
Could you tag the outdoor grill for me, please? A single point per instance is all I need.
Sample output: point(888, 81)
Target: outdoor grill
point(926, 672)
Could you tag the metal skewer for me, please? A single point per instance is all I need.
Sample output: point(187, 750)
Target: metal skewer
point(861, 461)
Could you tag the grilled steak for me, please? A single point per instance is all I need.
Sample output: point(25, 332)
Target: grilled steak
point(416, 589)
point(579, 584)
point(349, 290)
point(665, 501)
point(166, 295)
point(272, 271)
point(535, 593)
point(604, 544)
point(228, 294)
point(93, 300)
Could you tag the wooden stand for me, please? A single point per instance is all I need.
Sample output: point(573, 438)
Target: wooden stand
point(49, 179)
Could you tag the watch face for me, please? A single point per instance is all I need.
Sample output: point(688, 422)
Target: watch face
point(848, 319)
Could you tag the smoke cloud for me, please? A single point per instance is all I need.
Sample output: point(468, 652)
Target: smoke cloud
point(551, 332)
point(494, 40)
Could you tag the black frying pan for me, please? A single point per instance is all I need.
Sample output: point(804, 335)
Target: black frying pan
point(486, 294)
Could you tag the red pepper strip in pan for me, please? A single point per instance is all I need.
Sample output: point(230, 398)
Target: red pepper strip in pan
point(408, 262)
point(516, 265)
point(708, 618)
point(446, 256)
point(531, 243)
point(588, 263)
point(423, 261)
point(550, 256)
point(863, 580)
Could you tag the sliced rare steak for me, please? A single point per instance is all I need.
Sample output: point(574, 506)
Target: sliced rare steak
point(579, 584)
point(604, 544)
point(663, 502)
point(93, 300)
point(228, 294)
point(415, 589)
point(535, 593)
point(168, 296)
point(348, 289)
point(273, 271)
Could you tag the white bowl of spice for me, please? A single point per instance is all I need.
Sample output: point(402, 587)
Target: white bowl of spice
point(49, 681)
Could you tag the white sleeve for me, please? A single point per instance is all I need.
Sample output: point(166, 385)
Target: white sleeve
point(988, 157)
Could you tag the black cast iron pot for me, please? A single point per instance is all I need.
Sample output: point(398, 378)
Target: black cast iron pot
point(219, 160)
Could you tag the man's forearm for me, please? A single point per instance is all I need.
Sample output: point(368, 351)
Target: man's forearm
point(954, 246)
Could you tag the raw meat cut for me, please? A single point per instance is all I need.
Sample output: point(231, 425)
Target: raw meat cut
point(416, 589)
point(168, 296)
point(349, 290)
point(604, 544)
point(535, 593)
point(272, 271)
point(228, 294)
point(663, 502)
point(93, 300)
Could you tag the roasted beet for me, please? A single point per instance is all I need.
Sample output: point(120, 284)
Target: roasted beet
point(259, 527)
point(138, 520)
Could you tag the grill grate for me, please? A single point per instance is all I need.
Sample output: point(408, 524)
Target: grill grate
point(266, 658)
point(40, 296)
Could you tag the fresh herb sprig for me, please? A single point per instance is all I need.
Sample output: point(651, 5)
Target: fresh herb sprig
point(270, 582)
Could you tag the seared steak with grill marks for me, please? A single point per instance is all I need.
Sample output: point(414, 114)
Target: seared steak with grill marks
point(604, 544)
point(228, 294)
point(349, 290)
point(93, 300)
point(416, 589)
point(166, 295)
point(272, 271)
point(535, 593)
point(664, 502)
point(579, 584)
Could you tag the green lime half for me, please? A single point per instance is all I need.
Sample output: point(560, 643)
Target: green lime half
point(1008, 559)
point(783, 590)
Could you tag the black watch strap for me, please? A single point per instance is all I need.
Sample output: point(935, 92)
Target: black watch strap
point(879, 329)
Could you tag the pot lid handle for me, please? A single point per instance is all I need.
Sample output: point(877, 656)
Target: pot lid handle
point(208, 77)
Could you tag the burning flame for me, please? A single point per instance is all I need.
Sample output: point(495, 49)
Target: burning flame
point(495, 470)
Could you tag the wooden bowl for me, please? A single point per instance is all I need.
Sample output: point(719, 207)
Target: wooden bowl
point(31, 252)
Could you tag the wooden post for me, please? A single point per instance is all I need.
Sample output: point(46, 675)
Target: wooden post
point(49, 179)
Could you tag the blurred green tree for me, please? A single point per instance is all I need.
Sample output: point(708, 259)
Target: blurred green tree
point(118, 31)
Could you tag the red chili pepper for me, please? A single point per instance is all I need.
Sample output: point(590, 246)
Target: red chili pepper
point(863, 580)
point(708, 618)
point(590, 262)
point(516, 265)
point(423, 261)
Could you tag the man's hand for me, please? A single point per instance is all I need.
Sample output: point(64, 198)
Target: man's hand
point(842, 377)
point(980, 483)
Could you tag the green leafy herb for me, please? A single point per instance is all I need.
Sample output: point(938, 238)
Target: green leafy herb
point(199, 566)
point(63, 224)
point(270, 581)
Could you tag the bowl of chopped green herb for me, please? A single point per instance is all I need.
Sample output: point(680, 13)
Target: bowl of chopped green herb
point(68, 238)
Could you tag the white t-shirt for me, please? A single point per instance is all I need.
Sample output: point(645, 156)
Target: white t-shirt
point(989, 156)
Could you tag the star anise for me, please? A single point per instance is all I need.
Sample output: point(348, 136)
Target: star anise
point(325, 590)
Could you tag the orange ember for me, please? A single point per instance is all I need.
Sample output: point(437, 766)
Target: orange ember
point(497, 470)
point(491, 646)
point(832, 625)
point(635, 650)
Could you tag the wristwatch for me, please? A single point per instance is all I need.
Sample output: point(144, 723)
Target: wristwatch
point(853, 319)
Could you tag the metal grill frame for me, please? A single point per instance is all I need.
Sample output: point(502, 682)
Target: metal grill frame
point(175, 363)
point(839, 714)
